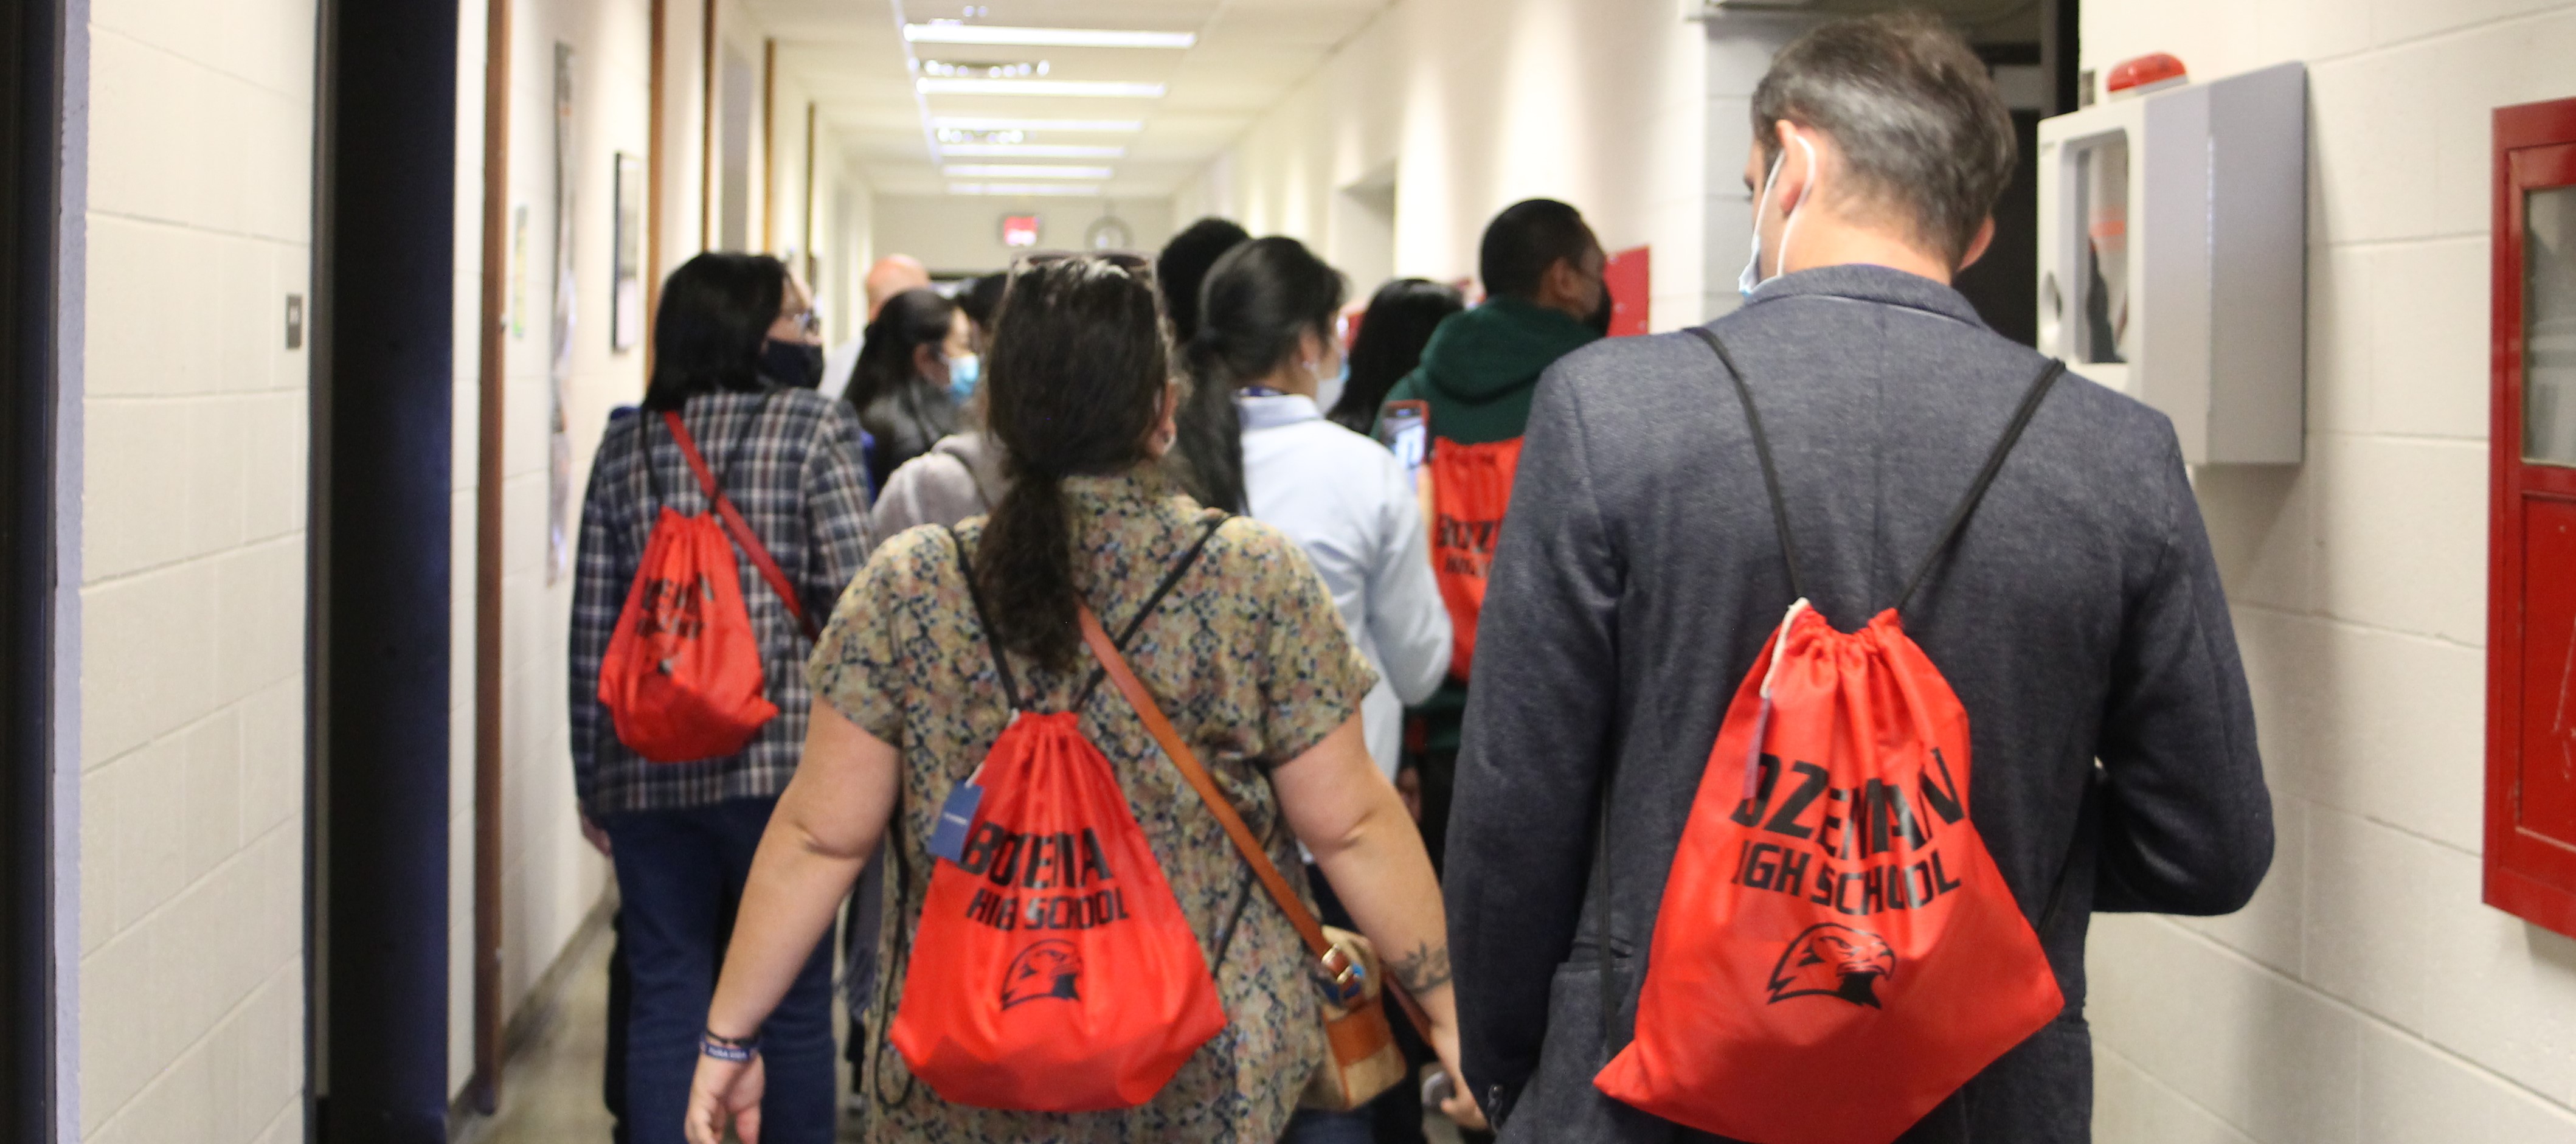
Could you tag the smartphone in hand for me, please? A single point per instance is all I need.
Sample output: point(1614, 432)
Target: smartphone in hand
point(1404, 427)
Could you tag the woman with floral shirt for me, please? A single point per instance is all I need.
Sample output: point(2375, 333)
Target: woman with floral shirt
point(1246, 656)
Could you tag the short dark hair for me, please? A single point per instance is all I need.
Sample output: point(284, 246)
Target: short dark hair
point(715, 311)
point(1922, 130)
point(1527, 238)
point(1184, 265)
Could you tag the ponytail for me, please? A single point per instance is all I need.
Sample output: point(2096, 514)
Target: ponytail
point(1073, 386)
point(1259, 299)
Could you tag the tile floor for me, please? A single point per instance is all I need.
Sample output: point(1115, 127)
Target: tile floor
point(550, 1095)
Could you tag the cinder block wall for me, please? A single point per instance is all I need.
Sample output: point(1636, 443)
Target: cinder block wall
point(2366, 996)
point(197, 226)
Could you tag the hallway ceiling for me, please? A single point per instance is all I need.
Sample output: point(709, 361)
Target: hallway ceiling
point(852, 56)
point(1982, 21)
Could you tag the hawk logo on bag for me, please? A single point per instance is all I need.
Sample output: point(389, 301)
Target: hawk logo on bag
point(1045, 969)
point(1841, 779)
point(1831, 960)
point(1043, 888)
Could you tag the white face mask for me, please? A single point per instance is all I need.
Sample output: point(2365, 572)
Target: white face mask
point(1329, 386)
point(1746, 282)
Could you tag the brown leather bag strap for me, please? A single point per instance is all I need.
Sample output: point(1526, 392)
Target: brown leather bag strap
point(1235, 828)
point(1188, 761)
point(743, 537)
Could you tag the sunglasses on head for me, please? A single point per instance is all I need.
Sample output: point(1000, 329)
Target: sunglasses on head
point(1138, 265)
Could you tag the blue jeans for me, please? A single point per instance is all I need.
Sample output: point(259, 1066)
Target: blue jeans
point(680, 875)
point(1310, 1126)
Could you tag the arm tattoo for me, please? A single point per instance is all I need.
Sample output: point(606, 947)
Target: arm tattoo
point(1423, 970)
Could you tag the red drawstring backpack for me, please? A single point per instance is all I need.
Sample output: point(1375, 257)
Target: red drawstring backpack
point(1836, 952)
point(1471, 486)
point(1052, 969)
point(682, 678)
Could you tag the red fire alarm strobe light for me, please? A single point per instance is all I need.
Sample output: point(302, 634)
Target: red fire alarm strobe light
point(2145, 74)
point(1020, 230)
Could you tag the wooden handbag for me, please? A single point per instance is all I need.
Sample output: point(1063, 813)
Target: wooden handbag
point(1362, 1060)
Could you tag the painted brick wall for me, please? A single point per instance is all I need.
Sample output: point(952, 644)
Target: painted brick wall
point(192, 654)
point(2366, 996)
point(1476, 105)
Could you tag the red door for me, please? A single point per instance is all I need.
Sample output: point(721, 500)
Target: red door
point(2531, 632)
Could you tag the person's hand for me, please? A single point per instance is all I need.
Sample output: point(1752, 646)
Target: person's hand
point(726, 1092)
point(597, 838)
point(1460, 1106)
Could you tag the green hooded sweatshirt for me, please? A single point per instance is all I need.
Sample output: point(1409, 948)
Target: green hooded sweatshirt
point(1478, 374)
point(1482, 365)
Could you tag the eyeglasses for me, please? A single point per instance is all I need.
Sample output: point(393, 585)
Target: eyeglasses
point(806, 321)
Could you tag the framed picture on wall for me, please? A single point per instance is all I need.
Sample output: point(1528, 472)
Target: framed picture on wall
point(626, 315)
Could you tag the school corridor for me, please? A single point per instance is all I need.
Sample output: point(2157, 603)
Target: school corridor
point(338, 333)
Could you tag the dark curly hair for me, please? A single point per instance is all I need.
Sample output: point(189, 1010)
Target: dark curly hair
point(1074, 385)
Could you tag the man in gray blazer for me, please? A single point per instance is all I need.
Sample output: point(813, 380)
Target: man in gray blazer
point(2079, 616)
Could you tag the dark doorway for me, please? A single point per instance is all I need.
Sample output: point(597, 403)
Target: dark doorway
point(383, 377)
point(2004, 284)
point(30, 180)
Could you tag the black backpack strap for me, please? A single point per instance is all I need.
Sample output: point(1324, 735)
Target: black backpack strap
point(1171, 579)
point(1761, 450)
point(2039, 388)
point(992, 635)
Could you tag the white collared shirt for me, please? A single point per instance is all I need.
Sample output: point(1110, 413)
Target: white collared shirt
point(1346, 500)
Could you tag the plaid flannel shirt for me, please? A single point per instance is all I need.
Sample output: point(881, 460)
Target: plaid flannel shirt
point(790, 461)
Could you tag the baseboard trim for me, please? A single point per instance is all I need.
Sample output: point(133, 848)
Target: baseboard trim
point(536, 1012)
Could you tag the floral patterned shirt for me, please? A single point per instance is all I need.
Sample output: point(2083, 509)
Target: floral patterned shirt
point(1250, 662)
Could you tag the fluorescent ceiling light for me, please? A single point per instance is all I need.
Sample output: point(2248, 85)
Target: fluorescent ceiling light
point(1023, 69)
point(944, 32)
point(1030, 151)
point(1058, 190)
point(1105, 89)
point(1024, 171)
point(995, 123)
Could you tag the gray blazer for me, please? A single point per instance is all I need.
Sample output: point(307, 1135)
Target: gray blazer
point(2079, 618)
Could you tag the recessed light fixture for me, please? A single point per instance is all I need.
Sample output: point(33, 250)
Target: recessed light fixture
point(950, 32)
point(1029, 150)
point(993, 123)
point(1023, 171)
point(1101, 89)
point(1054, 190)
point(962, 69)
point(948, 135)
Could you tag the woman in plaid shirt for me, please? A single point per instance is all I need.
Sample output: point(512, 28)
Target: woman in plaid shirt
point(682, 834)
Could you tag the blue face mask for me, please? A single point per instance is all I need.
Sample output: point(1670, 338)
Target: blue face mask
point(963, 372)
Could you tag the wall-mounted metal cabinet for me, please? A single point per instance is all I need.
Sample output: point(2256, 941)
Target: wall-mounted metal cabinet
point(2173, 257)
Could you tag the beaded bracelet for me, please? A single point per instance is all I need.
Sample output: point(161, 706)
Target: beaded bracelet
point(736, 1050)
